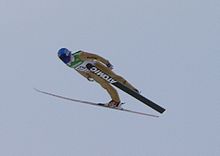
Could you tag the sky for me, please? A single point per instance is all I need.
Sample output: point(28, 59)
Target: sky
point(168, 49)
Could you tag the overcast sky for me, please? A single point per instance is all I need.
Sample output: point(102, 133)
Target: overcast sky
point(169, 49)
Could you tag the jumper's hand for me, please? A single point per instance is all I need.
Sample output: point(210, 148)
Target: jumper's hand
point(109, 65)
point(90, 79)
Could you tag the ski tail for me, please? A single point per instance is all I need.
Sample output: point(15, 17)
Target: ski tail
point(134, 94)
point(140, 98)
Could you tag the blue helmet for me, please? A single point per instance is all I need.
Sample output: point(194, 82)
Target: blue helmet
point(65, 55)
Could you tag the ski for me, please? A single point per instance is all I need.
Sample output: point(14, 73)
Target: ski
point(95, 104)
point(139, 97)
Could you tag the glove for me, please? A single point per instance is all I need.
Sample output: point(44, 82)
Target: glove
point(90, 79)
point(109, 65)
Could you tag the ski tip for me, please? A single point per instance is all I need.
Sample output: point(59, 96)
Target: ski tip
point(37, 90)
point(40, 91)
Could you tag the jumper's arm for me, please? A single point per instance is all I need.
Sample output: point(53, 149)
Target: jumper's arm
point(90, 56)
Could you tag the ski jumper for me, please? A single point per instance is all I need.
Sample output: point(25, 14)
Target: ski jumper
point(80, 59)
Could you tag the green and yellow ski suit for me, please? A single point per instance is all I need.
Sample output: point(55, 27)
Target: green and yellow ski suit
point(79, 61)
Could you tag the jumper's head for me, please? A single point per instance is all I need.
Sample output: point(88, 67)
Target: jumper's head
point(65, 55)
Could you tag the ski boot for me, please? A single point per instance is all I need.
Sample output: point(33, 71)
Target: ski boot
point(114, 104)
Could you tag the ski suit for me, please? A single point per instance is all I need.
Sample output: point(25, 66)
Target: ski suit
point(80, 59)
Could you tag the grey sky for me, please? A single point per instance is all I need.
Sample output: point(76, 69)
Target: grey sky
point(168, 49)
